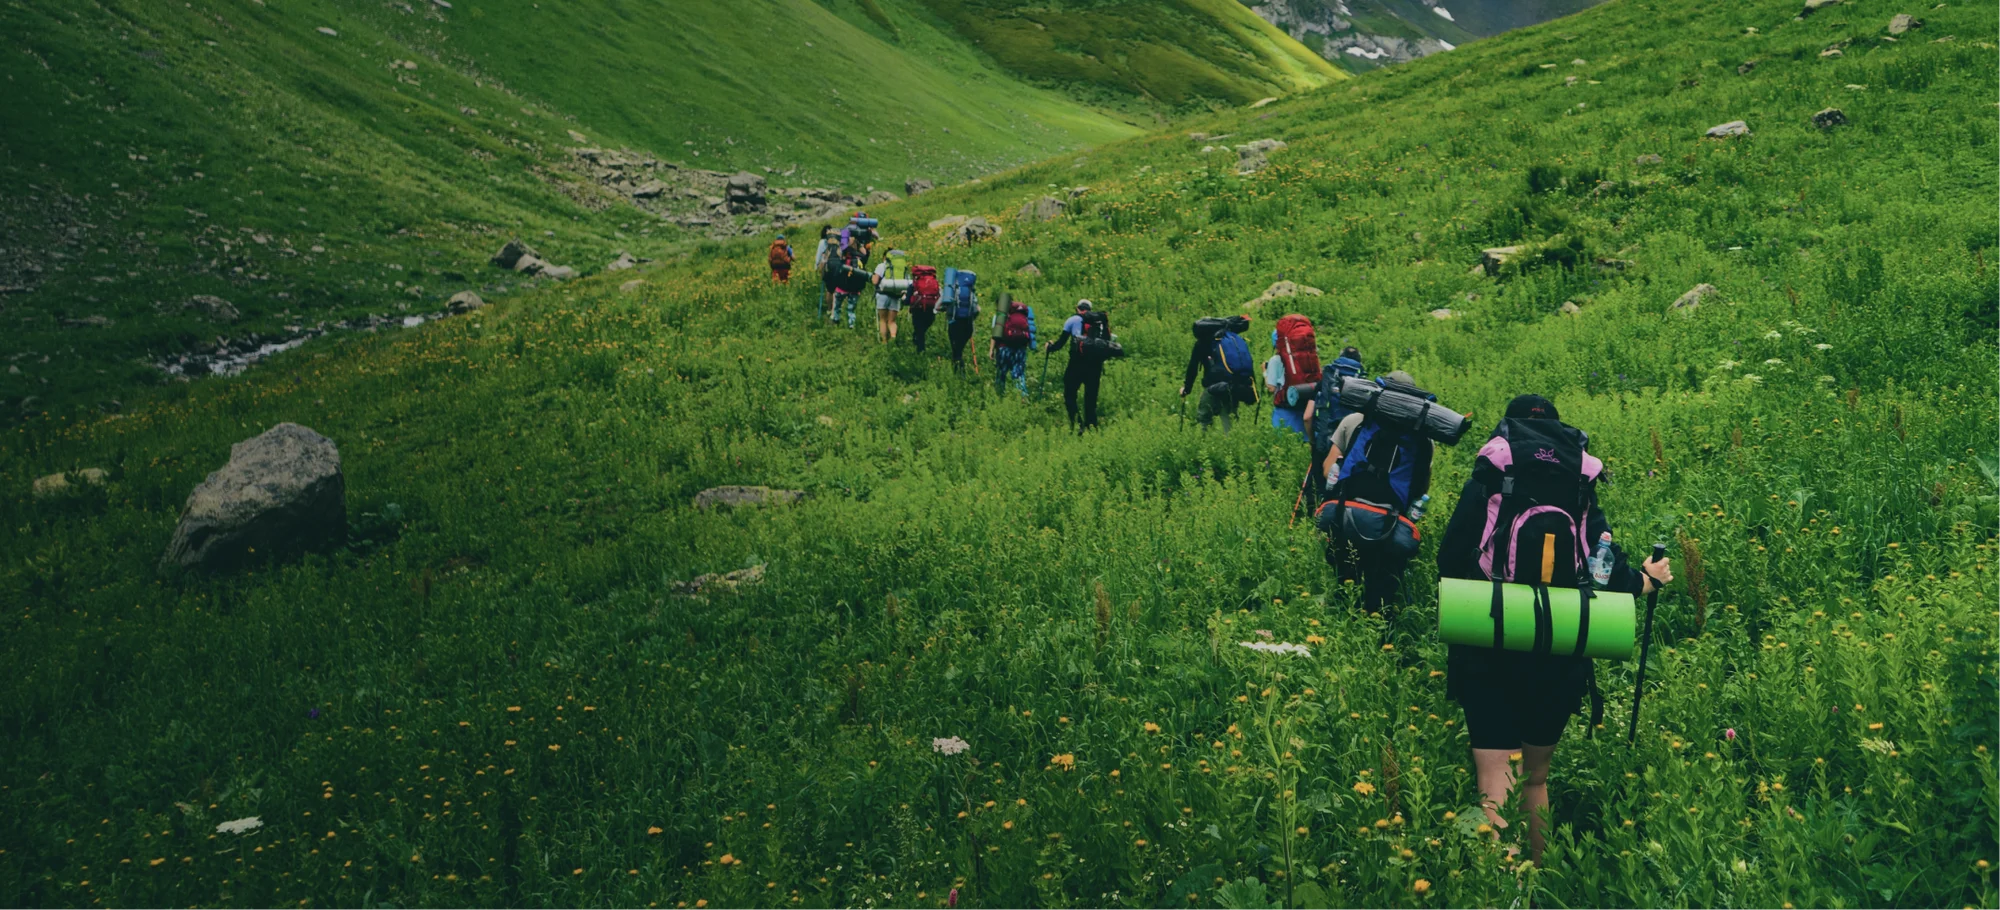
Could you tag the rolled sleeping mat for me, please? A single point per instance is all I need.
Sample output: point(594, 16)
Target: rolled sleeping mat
point(894, 287)
point(849, 279)
point(948, 288)
point(1395, 408)
point(1465, 617)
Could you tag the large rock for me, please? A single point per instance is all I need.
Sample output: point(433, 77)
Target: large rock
point(1442, 313)
point(558, 272)
point(948, 221)
point(1282, 289)
point(213, 307)
point(878, 197)
point(1492, 258)
point(1726, 130)
point(974, 229)
point(916, 185)
point(1251, 156)
point(1903, 22)
point(1829, 118)
point(1569, 308)
point(746, 193)
point(464, 302)
point(1814, 6)
point(1029, 271)
point(745, 496)
point(1648, 160)
point(632, 287)
point(1694, 297)
point(282, 491)
point(624, 261)
point(512, 253)
point(529, 265)
point(55, 485)
point(1047, 208)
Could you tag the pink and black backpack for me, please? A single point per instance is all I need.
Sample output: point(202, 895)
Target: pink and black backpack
point(1541, 485)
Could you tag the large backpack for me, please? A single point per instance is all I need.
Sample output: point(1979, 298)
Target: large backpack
point(1541, 484)
point(1327, 409)
point(1096, 343)
point(1366, 509)
point(965, 295)
point(780, 256)
point(924, 289)
point(895, 274)
point(1015, 330)
point(1228, 361)
point(1298, 350)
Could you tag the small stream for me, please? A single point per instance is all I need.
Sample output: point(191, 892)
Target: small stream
point(231, 356)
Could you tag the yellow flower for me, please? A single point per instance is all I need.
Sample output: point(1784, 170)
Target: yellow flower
point(1364, 788)
point(554, 748)
point(1422, 885)
point(1006, 826)
point(1139, 843)
point(654, 829)
point(1065, 761)
point(727, 858)
point(1875, 726)
point(1152, 727)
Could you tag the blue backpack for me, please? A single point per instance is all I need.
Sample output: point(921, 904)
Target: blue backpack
point(1378, 466)
point(1328, 412)
point(964, 298)
point(1228, 360)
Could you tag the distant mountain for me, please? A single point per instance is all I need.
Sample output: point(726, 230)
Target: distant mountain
point(1365, 34)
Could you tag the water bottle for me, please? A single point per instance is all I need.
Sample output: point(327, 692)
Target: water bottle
point(1602, 561)
point(1417, 511)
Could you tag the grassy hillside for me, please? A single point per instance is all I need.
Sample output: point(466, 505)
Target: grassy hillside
point(495, 695)
point(160, 151)
point(1176, 54)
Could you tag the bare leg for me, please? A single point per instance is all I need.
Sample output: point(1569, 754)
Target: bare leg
point(1535, 795)
point(1496, 780)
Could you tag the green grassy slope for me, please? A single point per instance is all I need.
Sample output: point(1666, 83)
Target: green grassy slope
point(502, 631)
point(1178, 54)
point(158, 151)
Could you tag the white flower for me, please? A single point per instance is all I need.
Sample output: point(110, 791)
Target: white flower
point(1773, 335)
point(240, 826)
point(1773, 362)
point(1878, 746)
point(1727, 365)
point(1751, 378)
point(1282, 647)
point(949, 745)
point(1826, 379)
point(1822, 346)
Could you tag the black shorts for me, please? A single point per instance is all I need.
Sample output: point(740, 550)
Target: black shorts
point(1506, 717)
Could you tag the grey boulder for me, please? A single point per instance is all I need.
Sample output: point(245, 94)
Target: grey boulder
point(1903, 22)
point(213, 307)
point(464, 302)
point(1726, 130)
point(1829, 118)
point(282, 491)
point(916, 185)
point(1695, 296)
point(512, 254)
point(745, 496)
point(1047, 208)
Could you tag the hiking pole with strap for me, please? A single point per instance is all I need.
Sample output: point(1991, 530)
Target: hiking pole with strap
point(1645, 649)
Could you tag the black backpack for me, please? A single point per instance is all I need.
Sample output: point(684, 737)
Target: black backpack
point(1096, 343)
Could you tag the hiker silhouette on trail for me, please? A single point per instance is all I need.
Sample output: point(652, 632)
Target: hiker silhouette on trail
point(780, 258)
point(1088, 337)
point(960, 302)
point(892, 279)
point(824, 255)
point(1223, 358)
point(1529, 514)
point(1013, 335)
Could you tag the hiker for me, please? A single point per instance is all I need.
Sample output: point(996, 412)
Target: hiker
point(961, 306)
point(924, 296)
point(1293, 372)
point(780, 258)
point(851, 278)
point(1374, 469)
point(1013, 335)
point(892, 281)
point(1324, 412)
point(1518, 701)
point(1088, 337)
point(824, 256)
point(857, 239)
point(1224, 360)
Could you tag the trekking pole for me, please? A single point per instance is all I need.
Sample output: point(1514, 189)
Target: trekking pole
point(1304, 482)
point(1044, 381)
point(1645, 648)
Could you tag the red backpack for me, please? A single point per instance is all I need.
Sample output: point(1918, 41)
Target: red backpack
point(1014, 331)
point(1298, 350)
point(924, 289)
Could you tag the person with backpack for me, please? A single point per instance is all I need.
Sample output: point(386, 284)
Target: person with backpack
point(961, 306)
point(1529, 514)
point(1325, 412)
point(1013, 335)
point(1378, 473)
point(780, 259)
point(926, 292)
point(823, 256)
point(1088, 336)
point(893, 278)
point(1292, 372)
point(850, 279)
point(1224, 360)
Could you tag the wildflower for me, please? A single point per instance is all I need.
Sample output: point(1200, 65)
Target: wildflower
point(312, 714)
point(1729, 733)
point(1773, 361)
point(554, 748)
point(1727, 365)
point(949, 745)
point(240, 826)
point(1007, 826)
point(1422, 885)
point(727, 858)
point(1315, 640)
point(1822, 347)
point(1152, 727)
point(1065, 761)
point(1773, 335)
point(1277, 648)
point(951, 900)
point(1364, 788)
point(1753, 378)
point(654, 830)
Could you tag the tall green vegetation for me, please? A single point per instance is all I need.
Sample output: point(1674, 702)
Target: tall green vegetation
point(505, 631)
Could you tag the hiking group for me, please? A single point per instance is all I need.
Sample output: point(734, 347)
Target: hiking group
point(1527, 562)
point(1532, 587)
point(842, 259)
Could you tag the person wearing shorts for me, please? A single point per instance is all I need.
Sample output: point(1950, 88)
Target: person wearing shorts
point(1517, 702)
